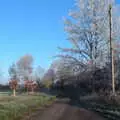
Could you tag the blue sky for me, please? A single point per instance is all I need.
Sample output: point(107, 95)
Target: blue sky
point(34, 27)
point(31, 26)
point(118, 1)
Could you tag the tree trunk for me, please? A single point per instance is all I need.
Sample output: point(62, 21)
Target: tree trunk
point(32, 90)
point(14, 92)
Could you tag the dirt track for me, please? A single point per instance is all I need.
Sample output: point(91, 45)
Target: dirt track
point(63, 111)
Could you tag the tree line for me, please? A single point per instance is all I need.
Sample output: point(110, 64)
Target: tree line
point(86, 65)
point(93, 29)
point(23, 73)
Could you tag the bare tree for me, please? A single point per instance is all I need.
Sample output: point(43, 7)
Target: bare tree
point(14, 79)
point(88, 30)
point(38, 75)
point(13, 72)
point(25, 67)
point(88, 33)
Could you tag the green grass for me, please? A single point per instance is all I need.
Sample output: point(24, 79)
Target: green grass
point(5, 93)
point(14, 108)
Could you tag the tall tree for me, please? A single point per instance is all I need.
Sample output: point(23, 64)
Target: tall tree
point(88, 32)
point(13, 73)
point(25, 67)
point(38, 75)
point(88, 29)
point(14, 79)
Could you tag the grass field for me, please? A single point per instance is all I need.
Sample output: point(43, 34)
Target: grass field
point(14, 108)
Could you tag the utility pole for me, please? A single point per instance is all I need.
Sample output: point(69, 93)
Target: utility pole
point(111, 51)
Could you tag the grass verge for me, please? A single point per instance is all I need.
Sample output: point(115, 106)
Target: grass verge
point(14, 108)
point(109, 109)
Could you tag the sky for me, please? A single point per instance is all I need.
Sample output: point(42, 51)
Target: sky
point(32, 27)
